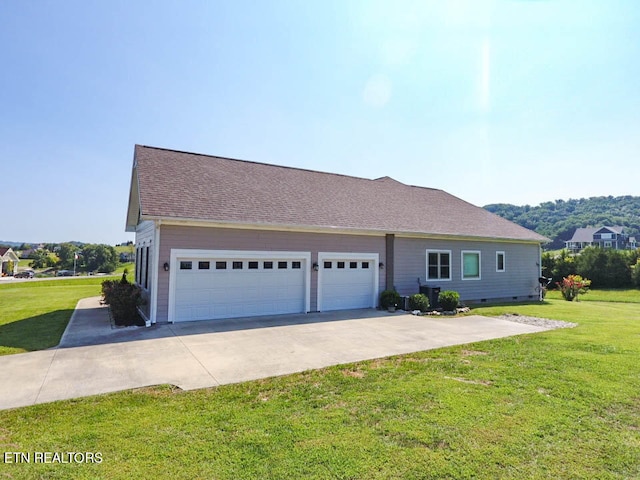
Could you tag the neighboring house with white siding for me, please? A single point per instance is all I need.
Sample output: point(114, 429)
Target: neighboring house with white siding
point(223, 238)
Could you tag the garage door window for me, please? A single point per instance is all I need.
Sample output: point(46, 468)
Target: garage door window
point(327, 264)
point(237, 265)
point(295, 265)
point(353, 264)
point(340, 264)
point(204, 265)
point(253, 265)
point(221, 265)
point(185, 265)
point(365, 264)
point(267, 265)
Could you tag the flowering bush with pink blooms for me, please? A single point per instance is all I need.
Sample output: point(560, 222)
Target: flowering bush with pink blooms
point(572, 286)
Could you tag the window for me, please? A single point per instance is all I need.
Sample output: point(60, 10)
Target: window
point(204, 265)
point(146, 268)
point(237, 265)
point(500, 265)
point(186, 266)
point(253, 265)
point(607, 244)
point(438, 264)
point(295, 265)
point(340, 264)
point(267, 265)
point(365, 264)
point(327, 264)
point(353, 264)
point(221, 265)
point(282, 265)
point(470, 265)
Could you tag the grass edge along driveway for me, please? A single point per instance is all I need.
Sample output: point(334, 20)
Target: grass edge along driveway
point(36, 313)
point(558, 404)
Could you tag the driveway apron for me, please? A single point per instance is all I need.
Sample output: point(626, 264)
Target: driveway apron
point(95, 358)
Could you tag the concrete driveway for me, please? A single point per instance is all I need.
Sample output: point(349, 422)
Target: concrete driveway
point(94, 358)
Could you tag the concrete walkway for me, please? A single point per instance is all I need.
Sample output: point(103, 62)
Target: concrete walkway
point(94, 358)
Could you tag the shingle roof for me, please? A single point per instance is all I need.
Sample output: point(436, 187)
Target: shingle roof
point(586, 234)
point(188, 186)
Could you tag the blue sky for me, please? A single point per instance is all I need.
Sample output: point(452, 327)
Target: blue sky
point(493, 101)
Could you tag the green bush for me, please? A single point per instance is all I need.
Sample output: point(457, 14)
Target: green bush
point(419, 301)
point(635, 274)
point(449, 300)
point(123, 299)
point(389, 298)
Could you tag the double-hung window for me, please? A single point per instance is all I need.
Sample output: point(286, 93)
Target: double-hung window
point(438, 264)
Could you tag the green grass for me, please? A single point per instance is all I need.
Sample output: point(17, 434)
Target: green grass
point(558, 404)
point(34, 314)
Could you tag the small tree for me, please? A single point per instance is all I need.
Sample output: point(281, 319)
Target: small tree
point(572, 286)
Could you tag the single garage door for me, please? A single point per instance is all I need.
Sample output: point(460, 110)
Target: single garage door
point(347, 282)
point(214, 288)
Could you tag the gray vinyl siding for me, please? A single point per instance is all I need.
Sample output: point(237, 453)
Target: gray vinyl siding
point(519, 279)
point(206, 238)
point(144, 239)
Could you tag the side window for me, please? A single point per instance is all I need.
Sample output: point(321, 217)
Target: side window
point(500, 262)
point(470, 265)
point(438, 265)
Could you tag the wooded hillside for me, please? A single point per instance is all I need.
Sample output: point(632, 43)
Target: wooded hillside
point(558, 220)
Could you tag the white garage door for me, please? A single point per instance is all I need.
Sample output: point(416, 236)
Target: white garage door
point(347, 282)
point(214, 288)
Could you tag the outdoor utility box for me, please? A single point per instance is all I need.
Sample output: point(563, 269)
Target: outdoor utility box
point(432, 294)
point(404, 303)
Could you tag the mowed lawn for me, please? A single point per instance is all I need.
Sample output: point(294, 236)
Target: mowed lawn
point(34, 313)
point(558, 404)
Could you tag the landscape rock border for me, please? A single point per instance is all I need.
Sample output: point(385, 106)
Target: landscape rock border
point(537, 321)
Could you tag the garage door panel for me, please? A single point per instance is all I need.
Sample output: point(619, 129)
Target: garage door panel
point(226, 293)
point(346, 283)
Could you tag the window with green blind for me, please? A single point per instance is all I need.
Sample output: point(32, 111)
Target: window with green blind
point(470, 265)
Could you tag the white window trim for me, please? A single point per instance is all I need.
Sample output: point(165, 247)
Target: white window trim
point(427, 266)
point(504, 261)
point(177, 254)
point(479, 253)
point(374, 258)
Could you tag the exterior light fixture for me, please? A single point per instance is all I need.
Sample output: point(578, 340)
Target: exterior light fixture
point(381, 265)
point(166, 266)
point(316, 267)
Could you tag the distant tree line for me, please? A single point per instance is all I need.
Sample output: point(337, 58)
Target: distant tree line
point(605, 268)
point(90, 257)
point(558, 220)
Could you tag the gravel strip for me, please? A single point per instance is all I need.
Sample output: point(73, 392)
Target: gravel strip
point(539, 322)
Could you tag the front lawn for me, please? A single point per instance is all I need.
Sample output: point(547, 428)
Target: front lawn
point(559, 404)
point(34, 314)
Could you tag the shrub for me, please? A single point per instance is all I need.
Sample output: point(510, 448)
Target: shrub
point(389, 298)
point(123, 299)
point(449, 300)
point(635, 274)
point(419, 301)
point(572, 286)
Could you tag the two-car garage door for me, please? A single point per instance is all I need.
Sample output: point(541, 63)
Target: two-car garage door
point(208, 285)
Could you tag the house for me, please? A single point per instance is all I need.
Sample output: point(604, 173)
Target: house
point(603, 237)
point(9, 261)
point(222, 238)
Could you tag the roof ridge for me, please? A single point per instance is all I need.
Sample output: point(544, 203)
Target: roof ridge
point(266, 164)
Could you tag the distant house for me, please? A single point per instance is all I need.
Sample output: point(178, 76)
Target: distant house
point(602, 237)
point(9, 261)
point(222, 238)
